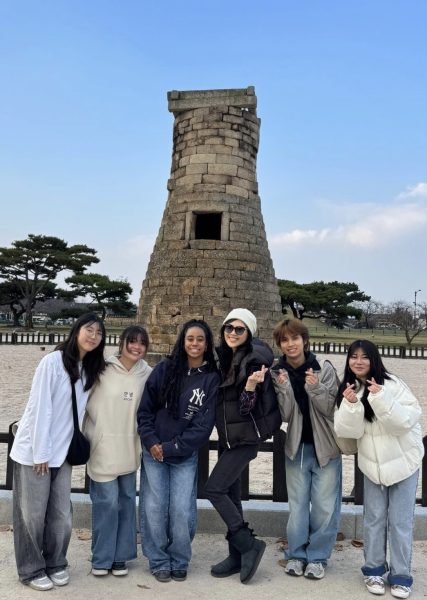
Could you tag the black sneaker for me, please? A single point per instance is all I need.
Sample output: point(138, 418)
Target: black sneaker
point(179, 574)
point(163, 576)
point(119, 569)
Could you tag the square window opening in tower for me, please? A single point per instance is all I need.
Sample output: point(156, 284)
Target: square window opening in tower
point(208, 226)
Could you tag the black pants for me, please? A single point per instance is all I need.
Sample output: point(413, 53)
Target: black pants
point(223, 487)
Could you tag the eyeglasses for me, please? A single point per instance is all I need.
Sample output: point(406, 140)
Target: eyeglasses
point(239, 330)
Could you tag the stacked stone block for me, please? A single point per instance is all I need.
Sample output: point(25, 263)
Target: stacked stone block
point(213, 177)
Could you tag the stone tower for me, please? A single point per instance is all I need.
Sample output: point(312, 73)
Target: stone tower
point(211, 253)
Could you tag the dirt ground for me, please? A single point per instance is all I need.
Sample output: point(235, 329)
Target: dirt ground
point(343, 577)
point(18, 363)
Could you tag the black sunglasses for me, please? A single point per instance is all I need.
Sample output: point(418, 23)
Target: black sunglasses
point(239, 330)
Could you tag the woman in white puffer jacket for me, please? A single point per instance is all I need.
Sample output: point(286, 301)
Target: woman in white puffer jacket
point(380, 411)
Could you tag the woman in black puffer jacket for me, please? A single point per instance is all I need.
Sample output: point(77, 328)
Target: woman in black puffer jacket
point(247, 413)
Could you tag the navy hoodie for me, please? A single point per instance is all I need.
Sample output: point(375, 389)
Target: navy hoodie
point(181, 436)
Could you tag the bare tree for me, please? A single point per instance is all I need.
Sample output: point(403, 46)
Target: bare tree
point(401, 314)
point(369, 310)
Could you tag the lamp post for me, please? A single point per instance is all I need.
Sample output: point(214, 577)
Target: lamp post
point(415, 305)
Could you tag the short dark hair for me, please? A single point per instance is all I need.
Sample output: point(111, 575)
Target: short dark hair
point(294, 327)
point(133, 333)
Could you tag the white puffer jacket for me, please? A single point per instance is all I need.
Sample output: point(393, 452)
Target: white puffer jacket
point(390, 448)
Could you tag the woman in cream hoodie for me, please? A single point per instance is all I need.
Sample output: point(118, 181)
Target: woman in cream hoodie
point(110, 425)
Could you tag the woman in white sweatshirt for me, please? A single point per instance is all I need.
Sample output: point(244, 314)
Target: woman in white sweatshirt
point(110, 425)
point(379, 410)
point(41, 474)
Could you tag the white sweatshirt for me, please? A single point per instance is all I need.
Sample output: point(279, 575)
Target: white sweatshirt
point(46, 427)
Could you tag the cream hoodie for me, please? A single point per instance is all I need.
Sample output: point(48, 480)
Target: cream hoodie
point(110, 420)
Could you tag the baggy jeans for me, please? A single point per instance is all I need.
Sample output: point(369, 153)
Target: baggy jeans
point(168, 511)
point(314, 495)
point(389, 508)
point(42, 520)
point(113, 520)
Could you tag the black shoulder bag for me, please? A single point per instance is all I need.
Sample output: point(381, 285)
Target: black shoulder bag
point(79, 450)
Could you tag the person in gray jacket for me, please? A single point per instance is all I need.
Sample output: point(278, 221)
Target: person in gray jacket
point(306, 393)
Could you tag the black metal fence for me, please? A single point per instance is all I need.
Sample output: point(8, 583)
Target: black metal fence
point(384, 349)
point(274, 447)
point(43, 338)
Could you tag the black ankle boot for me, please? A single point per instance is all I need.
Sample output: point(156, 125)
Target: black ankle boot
point(250, 549)
point(230, 565)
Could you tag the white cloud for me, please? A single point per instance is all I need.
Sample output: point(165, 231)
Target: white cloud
point(377, 227)
point(298, 236)
point(414, 192)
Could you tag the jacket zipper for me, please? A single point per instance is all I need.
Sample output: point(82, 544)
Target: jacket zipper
point(225, 420)
point(256, 427)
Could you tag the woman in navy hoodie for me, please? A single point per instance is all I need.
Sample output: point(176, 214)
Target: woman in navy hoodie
point(175, 418)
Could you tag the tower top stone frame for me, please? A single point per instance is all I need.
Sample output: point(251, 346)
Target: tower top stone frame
point(211, 252)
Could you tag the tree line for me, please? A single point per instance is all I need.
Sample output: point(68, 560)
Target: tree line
point(29, 268)
point(337, 303)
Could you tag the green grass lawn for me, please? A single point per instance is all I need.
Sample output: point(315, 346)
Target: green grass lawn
point(389, 337)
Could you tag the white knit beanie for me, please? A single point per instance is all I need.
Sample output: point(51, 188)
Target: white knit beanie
point(244, 315)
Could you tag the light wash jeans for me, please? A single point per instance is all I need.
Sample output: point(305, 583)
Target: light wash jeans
point(314, 495)
point(389, 508)
point(113, 520)
point(42, 520)
point(168, 511)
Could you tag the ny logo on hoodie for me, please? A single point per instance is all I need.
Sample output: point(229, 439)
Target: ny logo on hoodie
point(194, 403)
point(197, 397)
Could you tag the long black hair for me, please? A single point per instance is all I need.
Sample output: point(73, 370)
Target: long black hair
point(377, 370)
point(93, 362)
point(225, 353)
point(171, 388)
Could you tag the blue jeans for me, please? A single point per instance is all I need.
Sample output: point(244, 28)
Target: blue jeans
point(168, 511)
point(389, 508)
point(314, 495)
point(42, 520)
point(113, 520)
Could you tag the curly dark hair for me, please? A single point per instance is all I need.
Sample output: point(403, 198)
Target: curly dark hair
point(93, 362)
point(178, 365)
point(377, 370)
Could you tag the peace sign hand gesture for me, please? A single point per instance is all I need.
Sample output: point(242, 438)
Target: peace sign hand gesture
point(373, 386)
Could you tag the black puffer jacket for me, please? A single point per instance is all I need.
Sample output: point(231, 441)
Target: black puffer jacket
point(233, 428)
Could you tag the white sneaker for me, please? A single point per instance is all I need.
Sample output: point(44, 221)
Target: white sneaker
point(60, 577)
point(314, 570)
point(99, 572)
point(119, 569)
point(400, 591)
point(295, 567)
point(41, 583)
point(375, 584)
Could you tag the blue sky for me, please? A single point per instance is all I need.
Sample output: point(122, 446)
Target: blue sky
point(86, 137)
